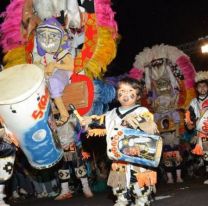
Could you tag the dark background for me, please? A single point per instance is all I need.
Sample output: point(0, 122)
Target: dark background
point(149, 22)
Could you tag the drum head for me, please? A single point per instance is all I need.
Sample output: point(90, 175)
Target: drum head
point(19, 82)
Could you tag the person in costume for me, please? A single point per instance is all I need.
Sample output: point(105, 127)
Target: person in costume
point(131, 183)
point(164, 98)
point(73, 161)
point(164, 102)
point(52, 51)
point(169, 80)
point(196, 117)
point(171, 156)
point(7, 157)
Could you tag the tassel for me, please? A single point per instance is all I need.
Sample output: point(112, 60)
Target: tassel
point(96, 132)
point(146, 178)
point(198, 150)
point(117, 179)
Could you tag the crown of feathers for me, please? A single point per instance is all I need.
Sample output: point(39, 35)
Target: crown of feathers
point(200, 76)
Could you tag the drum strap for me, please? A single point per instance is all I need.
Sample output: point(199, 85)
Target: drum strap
point(128, 112)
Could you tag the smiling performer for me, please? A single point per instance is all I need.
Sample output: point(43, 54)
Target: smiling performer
point(53, 52)
point(197, 117)
point(131, 183)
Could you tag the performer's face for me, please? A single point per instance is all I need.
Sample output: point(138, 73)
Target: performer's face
point(127, 95)
point(202, 89)
point(49, 39)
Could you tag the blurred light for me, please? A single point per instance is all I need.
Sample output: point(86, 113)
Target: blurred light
point(204, 48)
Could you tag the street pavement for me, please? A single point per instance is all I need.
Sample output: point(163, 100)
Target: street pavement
point(190, 193)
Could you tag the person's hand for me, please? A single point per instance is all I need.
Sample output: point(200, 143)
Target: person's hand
point(85, 155)
point(85, 121)
point(131, 119)
point(49, 68)
point(10, 138)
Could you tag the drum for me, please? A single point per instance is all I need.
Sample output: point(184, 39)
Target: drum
point(201, 124)
point(25, 110)
point(134, 146)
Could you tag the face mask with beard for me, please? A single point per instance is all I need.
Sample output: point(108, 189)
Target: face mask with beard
point(49, 39)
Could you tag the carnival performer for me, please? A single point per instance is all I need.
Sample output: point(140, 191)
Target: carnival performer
point(168, 120)
point(169, 80)
point(7, 157)
point(52, 51)
point(196, 117)
point(73, 161)
point(132, 184)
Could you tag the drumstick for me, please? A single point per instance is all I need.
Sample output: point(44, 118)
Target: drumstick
point(79, 117)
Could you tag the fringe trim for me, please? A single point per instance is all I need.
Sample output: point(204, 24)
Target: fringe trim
point(96, 132)
point(146, 178)
point(117, 179)
point(198, 150)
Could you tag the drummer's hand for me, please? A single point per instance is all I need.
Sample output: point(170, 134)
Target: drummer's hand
point(50, 68)
point(85, 155)
point(131, 119)
point(10, 138)
point(85, 121)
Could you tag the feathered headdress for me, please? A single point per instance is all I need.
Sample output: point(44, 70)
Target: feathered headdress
point(200, 76)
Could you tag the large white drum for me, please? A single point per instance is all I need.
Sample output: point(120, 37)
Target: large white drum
point(24, 108)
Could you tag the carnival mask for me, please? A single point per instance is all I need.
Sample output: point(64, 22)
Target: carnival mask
point(49, 39)
point(163, 86)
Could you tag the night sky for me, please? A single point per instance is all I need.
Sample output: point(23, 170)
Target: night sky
point(149, 22)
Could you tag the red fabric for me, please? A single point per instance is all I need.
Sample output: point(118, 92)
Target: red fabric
point(90, 87)
point(29, 49)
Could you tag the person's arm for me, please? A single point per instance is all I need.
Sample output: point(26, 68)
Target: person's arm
point(67, 63)
point(143, 121)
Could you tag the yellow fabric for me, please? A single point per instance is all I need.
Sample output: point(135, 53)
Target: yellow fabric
point(14, 57)
point(96, 132)
point(105, 52)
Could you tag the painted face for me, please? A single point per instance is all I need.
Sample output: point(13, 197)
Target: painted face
point(127, 95)
point(49, 39)
point(202, 89)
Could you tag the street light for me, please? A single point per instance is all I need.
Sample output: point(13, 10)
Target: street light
point(204, 48)
point(204, 44)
